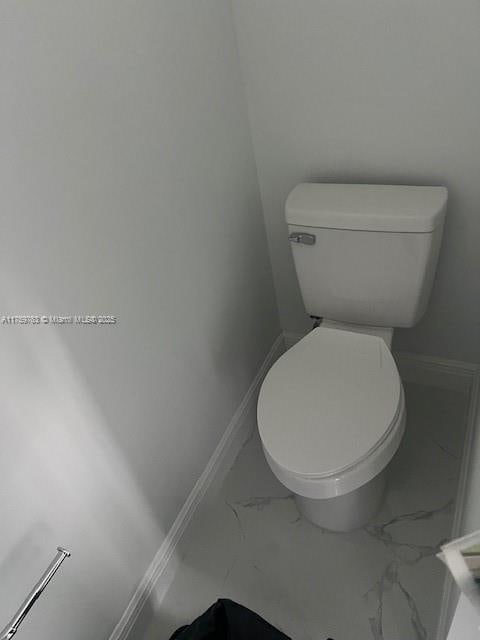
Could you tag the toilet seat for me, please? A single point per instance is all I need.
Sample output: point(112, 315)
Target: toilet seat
point(331, 412)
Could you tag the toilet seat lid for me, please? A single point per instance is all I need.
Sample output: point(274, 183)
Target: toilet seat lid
point(328, 402)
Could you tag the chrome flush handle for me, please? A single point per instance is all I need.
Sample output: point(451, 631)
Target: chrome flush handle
point(12, 627)
point(302, 238)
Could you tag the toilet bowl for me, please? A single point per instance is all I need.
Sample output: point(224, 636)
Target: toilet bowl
point(331, 415)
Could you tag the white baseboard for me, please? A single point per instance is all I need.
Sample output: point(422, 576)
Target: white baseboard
point(161, 571)
point(436, 372)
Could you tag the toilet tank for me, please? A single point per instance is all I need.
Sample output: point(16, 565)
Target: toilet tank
point(366, 253)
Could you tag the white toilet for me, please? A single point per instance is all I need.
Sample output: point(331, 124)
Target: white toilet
point(331, 410)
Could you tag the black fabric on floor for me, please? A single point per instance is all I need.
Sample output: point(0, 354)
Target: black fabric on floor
point(227, 620)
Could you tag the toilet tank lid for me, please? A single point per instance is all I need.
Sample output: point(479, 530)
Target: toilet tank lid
point(367, 207)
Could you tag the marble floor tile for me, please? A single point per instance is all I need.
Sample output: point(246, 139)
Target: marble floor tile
point(382, 582)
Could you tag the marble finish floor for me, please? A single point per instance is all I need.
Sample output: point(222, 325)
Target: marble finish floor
point(381, 582)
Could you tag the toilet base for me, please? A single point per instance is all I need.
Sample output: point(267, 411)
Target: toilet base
point(347, 512)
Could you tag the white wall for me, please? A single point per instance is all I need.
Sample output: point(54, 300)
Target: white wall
point(127, 187)
point(381, 91)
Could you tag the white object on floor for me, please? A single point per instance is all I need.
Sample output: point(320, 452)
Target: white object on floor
point(466, 622)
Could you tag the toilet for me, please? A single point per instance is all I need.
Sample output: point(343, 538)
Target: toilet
point(331, 411)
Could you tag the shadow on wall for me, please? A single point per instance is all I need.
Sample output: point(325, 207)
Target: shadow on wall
point(64, 481)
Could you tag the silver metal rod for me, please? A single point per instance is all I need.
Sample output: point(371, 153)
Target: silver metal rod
point(12, 627)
